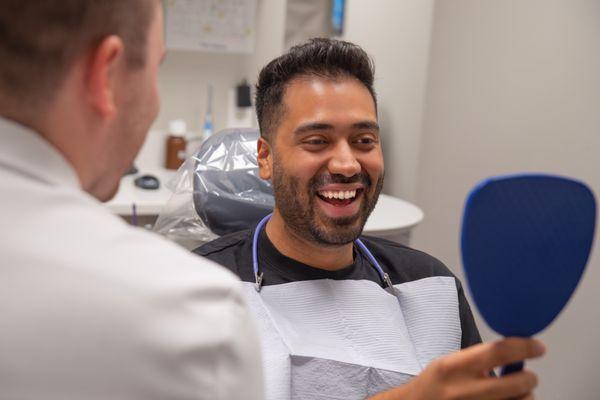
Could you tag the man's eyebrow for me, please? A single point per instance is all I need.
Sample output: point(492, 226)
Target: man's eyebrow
point(366, 125)
point(312, 126)
point(322, 126)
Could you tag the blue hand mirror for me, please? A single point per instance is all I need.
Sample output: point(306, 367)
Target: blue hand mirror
point(525, 242)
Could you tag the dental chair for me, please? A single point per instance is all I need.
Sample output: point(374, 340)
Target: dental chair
point(216, 191)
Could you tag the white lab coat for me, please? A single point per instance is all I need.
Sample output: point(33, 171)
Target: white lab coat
point(91, 308)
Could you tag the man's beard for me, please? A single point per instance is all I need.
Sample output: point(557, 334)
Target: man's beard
point(299, 211)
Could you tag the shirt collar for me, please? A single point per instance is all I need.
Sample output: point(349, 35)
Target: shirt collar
point(28, 152)
point(293, 270)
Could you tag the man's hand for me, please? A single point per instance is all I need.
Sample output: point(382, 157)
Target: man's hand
point(465, 375)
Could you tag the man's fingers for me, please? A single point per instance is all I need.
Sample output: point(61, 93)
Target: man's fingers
point(518, 385)
point(484, 357)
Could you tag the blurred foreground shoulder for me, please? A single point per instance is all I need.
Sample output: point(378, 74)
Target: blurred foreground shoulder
point(202, 324)
point(117, 312)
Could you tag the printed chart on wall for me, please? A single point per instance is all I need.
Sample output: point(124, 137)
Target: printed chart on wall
point(211, 25)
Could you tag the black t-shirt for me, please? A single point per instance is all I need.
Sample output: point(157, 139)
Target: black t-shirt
point(403, 264)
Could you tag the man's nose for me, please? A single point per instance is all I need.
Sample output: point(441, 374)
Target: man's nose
point(343, 161)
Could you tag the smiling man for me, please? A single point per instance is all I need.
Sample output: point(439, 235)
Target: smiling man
point(343, 316)
point(327, 172)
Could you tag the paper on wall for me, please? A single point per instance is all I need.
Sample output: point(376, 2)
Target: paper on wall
point(225, 26)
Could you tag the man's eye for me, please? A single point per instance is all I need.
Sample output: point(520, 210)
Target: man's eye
point(315, 142)
point(366, 141)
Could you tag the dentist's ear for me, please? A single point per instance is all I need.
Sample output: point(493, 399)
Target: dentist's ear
point(101, 80)
point(101, 75)
point(264, 158)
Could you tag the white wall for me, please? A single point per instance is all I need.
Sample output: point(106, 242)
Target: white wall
point(270, 33)
point(514, 85)
point(185, 75)
point(396, 33)
point(183, 82)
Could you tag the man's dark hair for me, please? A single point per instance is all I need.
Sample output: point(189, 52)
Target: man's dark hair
point(328, 58)
point(40, 39)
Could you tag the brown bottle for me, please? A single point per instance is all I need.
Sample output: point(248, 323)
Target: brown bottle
point(176, 144)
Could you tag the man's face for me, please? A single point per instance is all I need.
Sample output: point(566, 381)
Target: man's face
point(138, 104)
point(327, 164)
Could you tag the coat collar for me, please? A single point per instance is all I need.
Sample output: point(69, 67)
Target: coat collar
point(27, 152)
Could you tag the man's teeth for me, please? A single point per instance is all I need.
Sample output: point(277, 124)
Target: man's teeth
point(342, 195)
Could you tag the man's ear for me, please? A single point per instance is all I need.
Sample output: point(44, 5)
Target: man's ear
point(264, 158)
point(102, 75)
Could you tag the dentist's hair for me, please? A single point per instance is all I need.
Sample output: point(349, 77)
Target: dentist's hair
point(40, 39)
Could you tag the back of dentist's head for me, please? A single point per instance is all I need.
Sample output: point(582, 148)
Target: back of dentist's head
point(40, 40)
point(82, 74)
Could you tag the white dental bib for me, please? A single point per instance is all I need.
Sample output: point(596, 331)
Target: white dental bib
point(350, 339)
